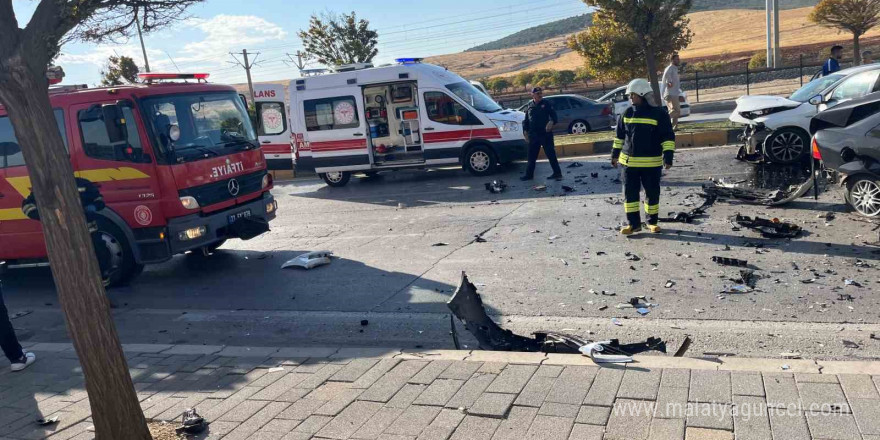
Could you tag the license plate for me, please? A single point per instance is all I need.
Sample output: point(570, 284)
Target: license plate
point(238, 215)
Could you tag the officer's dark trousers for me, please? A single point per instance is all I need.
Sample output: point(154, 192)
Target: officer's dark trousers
point(11, 347)
point(634, 179)
point(536, 141)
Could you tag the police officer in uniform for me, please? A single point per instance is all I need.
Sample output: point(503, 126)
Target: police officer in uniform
point(538, 127)
point(92, 201)
point(644, 144)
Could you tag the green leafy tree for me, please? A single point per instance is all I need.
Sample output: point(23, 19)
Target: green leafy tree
point(523, 79)
point(120, 70)
point(336, 40)
point(583, 75)
point(25, 54)
point(629, 36)
point(854, 16)
point(563, 78)
point(498, 84)
point(545, 82)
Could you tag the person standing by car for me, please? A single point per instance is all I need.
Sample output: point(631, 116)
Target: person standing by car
point(833, 63)
point(644, 144)
point(18, 359)
point(538, 127)
point(672, 89)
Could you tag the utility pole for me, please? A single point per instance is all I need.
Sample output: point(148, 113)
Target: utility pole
point(137, 21)
point(301, 60)
point(247, 65)
point(777, 51)
point(769, 32)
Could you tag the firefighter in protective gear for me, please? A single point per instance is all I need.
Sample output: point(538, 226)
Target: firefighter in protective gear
point(92, 201)
point(644, 144)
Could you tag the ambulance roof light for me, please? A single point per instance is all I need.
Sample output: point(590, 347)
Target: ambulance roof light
point(408, 60)
point(150, 77)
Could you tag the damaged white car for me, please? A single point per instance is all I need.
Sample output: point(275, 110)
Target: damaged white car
point(778, 127)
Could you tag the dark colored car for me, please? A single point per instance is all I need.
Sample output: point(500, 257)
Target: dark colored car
point(846, 138)
point(579, 115)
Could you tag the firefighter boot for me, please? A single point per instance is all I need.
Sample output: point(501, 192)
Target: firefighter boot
point(654, 228)
point(630, 230)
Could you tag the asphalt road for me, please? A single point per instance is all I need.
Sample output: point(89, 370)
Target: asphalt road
point(402, 240)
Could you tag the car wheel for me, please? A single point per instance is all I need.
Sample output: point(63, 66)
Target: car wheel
point(863, 194)
point(336, 178)
point(119, 266)
point(480, 160)
point(579, 127)
point(787, 146)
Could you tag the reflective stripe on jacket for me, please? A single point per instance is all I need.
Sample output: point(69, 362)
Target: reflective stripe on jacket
point(644, 137)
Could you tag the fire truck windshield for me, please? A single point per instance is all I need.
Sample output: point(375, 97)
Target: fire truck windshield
point(195, 126)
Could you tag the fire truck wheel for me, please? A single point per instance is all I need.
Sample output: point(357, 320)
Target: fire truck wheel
point(122, 266)
point(336, 178)
point(480, 160)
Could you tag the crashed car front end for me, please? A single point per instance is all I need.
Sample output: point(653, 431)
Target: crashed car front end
point(761, 116)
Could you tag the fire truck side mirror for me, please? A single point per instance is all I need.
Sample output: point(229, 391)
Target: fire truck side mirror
point(114, 120)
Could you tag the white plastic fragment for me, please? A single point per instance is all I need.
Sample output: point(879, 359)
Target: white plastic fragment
point(309, 260)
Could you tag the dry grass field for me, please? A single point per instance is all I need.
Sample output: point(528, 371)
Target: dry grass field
point(715, 32)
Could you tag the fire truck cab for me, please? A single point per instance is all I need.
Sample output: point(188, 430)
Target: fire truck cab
point(177, 163)
point(409, 115)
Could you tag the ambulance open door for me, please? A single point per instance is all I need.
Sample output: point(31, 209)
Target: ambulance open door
point(336, 130)
point(273, 125)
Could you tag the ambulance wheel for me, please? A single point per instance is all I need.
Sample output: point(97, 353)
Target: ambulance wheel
point(121, 266)
point(336, 178)
point(480, 160)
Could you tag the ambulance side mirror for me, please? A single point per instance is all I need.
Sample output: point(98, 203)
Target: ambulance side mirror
point(114, 121)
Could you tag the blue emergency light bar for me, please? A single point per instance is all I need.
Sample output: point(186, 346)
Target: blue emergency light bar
point(408, 60)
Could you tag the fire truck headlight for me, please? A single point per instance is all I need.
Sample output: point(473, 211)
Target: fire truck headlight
point(267, 180)
point(189, 202)
point(271, 207)
point(192, 233)
point(504, 126)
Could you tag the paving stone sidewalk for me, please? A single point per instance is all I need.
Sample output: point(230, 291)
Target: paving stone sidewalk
point(271, 393)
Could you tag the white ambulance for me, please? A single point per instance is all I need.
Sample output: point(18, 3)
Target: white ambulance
point(273, 127)
point(409, 115)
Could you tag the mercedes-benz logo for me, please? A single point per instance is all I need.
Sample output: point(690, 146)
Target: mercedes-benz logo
point(233, 187)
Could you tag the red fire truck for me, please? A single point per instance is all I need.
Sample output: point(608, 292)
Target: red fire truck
point(176, 160)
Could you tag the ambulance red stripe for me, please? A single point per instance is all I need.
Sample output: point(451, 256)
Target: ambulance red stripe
point(351, 144)
point(462, 135)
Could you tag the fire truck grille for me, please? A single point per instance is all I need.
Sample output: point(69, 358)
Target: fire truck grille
point(219, 191)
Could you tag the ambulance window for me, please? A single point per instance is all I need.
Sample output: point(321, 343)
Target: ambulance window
point(272, 118)
point(10, 151)
point(445, 110)
point(96, 141)
point(331, 113)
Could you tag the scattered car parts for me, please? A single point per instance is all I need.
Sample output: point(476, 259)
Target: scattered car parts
point(467, 306)
point(309, 260)
point(772, 228)
point(724, 261)
point(722, 190)
point(496, 186)
point(191, 422)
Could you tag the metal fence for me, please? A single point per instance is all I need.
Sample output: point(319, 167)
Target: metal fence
point(707, 86)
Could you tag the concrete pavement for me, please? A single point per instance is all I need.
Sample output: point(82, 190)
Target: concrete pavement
point(263, 393)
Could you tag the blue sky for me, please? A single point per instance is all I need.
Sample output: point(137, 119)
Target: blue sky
point(217, 27)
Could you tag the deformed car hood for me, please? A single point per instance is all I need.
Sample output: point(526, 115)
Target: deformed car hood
point(752, 103)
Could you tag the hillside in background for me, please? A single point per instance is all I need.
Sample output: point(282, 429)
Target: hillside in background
point(716, 5)
point(538, 33)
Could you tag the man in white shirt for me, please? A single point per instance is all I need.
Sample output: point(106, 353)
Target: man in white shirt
point(672, 90)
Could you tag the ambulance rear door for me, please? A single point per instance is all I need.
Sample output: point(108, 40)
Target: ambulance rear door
point(335, 129)
point(273, 127)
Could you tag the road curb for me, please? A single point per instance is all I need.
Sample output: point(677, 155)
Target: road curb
point(764, 365)
point(683, 140)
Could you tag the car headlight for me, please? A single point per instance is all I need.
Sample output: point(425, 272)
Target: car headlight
point(507, 126)
point(189, 202)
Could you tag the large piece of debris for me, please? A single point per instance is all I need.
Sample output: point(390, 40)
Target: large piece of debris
point(689, 216)
point(770, 228)
point(467, 306)
point(309, 260)
point(722, 190)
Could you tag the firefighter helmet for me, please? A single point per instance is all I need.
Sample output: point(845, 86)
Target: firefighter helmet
point(639, 86)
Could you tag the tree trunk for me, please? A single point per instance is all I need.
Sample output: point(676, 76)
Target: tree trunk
point(651, 62)
point(857, 53)
point(115, 408)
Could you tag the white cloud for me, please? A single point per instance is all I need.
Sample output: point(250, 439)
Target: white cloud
point(98, 55)
point(232, 32)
